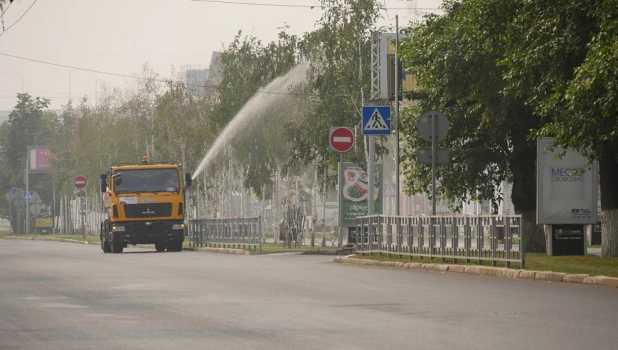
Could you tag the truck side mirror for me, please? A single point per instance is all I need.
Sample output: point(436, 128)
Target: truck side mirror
point(188, 179)
point(103, 182)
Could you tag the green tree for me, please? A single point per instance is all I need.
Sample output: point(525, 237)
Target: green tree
point(248, 65)
point(63, 143)
point(456, 58)
point(27, 126)
point(178, 129)
point(563, 60)
point(337, 83)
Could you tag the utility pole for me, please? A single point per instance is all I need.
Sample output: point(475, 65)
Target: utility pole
point(27, 193)
point(397, 88)
point(11, 215)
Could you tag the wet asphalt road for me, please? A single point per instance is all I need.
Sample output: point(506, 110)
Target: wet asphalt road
point(70, 296)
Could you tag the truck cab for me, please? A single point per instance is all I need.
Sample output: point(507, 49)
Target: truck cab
point(145, 205)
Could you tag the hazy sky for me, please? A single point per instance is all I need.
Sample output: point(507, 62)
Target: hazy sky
point(119, 36)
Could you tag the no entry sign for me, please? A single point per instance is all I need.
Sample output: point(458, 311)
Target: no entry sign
point(341, 139)
point(80, 182)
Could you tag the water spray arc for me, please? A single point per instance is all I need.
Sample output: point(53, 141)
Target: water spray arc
point(258, 103)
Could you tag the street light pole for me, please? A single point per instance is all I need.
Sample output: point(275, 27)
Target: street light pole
point(26, 196)
point(397, 88)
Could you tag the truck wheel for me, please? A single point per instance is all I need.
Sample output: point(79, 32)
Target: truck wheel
point(117, 247)
point(174, 246)
point(105, 246)
point(160, 246)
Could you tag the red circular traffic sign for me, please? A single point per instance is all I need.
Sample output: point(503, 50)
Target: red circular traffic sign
point(80, 182)
point(341, 139)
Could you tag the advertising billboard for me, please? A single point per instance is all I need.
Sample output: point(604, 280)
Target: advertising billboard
point(356, 187)
point(566, 187)
point(39, 159)
point(44, 215)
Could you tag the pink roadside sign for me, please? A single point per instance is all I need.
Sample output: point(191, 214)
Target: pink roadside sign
point(39, 159)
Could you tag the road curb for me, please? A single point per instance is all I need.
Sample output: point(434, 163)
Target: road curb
point(66, 240)
point(547, 276)
point(219, 250)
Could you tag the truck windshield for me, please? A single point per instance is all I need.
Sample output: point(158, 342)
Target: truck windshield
point(146, 180)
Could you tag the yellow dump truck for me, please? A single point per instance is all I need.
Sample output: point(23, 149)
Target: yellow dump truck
point(145, 205)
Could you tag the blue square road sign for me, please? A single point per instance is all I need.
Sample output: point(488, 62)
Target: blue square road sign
point(376, 120)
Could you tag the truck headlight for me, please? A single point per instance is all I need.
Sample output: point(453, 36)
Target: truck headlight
point(118, 228)
point(178, 227)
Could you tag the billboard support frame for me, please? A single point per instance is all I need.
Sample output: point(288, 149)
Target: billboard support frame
point(27, 171)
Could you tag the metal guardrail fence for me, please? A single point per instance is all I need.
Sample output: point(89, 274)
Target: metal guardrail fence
point(244, 233)
point(470, 238)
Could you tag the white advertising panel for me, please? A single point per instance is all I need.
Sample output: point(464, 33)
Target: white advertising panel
point(566, 187)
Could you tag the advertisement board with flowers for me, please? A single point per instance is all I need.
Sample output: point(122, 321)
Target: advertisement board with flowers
point(356, 187)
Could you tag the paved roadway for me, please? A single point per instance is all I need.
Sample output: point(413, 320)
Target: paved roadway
point(68, 296)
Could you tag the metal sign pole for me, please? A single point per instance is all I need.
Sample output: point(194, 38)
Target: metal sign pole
point(434, 135)
point(18, 216)
point(27, 200)
point(54, 209)
point(83, 214)
point(397, 77)
point(340, 199)
point(371, 169)
point(341, 139)
point(370, 174)
point(11, 215)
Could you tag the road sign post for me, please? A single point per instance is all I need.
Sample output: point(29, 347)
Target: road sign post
point(27, 170)
point(80, 183)
point(434, 152)
point(341, 140)
point(15, 195)
point(433, 127)
point(11, 215)
point(423, 155)
point(397, 88)
point(376, 121)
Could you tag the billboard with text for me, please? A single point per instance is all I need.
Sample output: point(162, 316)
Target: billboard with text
point(39, 159)
point(566, 187)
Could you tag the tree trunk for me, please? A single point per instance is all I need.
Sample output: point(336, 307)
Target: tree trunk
point(534, 235)
point(608, 168)
point(609, 229)
point(523, 167)
point(522, 164)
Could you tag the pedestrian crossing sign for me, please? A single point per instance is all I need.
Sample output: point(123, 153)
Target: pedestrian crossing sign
point(376, 120)
point(389, 190)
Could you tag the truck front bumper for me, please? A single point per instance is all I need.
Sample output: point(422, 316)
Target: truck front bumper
point(147, 232)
